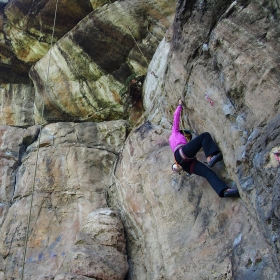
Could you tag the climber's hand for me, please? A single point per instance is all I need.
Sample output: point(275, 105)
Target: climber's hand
point(180, 102)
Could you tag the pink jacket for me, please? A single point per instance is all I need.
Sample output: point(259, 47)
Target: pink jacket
point(176, 138)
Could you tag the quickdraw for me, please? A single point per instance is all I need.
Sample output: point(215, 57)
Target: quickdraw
point(209, 99)
point(152, 72)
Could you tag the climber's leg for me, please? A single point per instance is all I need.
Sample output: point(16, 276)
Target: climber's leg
point(204, 141)
point(216, 183)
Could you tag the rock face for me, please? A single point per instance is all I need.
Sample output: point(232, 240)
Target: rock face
point(29, 24)
point(177, 227)
point(17, 105)
point(26, 29)
point(89, 67)
point(99, 251)
point(211, 55)
point(104, 201)
point(72, 174)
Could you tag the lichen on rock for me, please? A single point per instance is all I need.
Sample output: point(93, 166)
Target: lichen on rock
point(85, 127)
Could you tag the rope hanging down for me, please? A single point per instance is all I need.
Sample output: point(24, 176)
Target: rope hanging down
point(152, 72)
point(39, 138)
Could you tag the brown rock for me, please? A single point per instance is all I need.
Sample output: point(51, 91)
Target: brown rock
point(72, 175)
point(26, 29)
point(90, 65)
point(17, 105)
point(11, 148)
point(99, 251)
point(177, 227)
point(29, 24)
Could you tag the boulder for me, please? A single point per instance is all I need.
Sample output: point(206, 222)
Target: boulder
point(99, 251)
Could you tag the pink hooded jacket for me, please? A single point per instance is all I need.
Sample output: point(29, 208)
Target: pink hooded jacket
point(176, 138)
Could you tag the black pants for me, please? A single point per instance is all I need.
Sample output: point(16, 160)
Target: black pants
point(206, 142)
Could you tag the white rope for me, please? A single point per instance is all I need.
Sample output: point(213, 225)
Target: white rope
point(37, 155)
point(152, 72)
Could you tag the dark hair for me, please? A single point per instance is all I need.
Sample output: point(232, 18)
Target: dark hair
point(186, 132)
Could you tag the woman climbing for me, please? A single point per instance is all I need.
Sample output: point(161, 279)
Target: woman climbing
point(184, 153)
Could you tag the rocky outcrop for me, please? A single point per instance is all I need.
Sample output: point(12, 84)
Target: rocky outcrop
point(221, 62)
point(91, 64)
point(12, 69)
point(68, 232)
point(26, 29)
point(177, 227)
point(234, 63)
point(106, 204)
point(29, 24)
point(99, 251)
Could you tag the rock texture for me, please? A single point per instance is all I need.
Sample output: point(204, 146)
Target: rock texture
point(225, 53)
point(99, 251)
point(26, 29)
point(100, 104)
point(68, 232)
point(29, 24)
point(12, 69)
point(89, 67)
point(17, 105)
point(177, 227)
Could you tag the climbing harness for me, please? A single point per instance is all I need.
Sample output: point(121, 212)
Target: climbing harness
point(182, 155)
point(152, 72)
point(38, 146)
point(209, 99)
point(176, 167)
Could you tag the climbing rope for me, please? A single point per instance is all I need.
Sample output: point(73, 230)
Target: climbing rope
point(152, 72)
point(38, 146)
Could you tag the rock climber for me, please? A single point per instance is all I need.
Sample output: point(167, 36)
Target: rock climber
point(185, 152)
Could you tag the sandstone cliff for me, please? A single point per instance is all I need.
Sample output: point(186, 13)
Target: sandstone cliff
point(86, 113)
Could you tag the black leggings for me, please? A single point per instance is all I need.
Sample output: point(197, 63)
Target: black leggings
point(206, 142)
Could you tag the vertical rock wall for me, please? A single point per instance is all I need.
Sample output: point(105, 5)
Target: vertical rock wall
point(225, 53)
point(65, 234)
point(71, 232)
point(17, 105)
point(89, 174)
point(176, 226)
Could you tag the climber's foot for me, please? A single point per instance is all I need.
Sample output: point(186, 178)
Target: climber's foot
point(214, 159)
point(231, 193)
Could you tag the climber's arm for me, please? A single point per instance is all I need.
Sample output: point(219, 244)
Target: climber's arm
point(176, 119)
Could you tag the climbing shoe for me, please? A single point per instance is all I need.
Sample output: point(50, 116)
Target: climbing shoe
point(214, 160)
point(231, 193)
